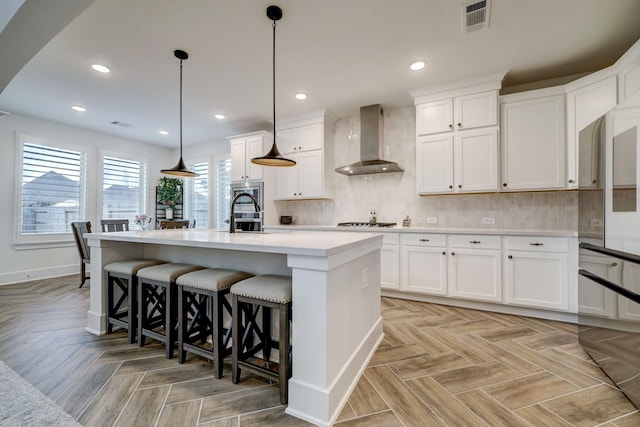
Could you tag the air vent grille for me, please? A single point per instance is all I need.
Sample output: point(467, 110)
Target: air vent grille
point(475, 16)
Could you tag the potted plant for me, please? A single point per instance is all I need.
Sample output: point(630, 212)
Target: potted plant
point(169, 192)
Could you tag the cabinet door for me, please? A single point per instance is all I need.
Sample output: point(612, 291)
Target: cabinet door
point(537, 279)
point(476, 160)
point(310, 176)
point(238, 160)
point(630, 280)
point(475, 274)
point(533, 144)
point(255, 148)
point(389, 267)
point(585, 105)
point(476, 110)
point(424, 270)
point(287, 140)
point(434, 117)
point(434, 164)
point(594, 298)
point(310, 137)
point(287, 180)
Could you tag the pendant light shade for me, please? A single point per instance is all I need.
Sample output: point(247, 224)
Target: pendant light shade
point(180, 169)
point(273, 157)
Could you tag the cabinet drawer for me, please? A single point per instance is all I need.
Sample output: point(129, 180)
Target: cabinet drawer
point(390, 238)
point(424, 239)
point(474, 241)
point(537, 244)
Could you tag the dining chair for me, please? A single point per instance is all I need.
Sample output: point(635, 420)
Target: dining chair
point(110, 225)
point(79, 229)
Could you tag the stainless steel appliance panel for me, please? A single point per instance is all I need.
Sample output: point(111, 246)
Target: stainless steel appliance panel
point(245, 216)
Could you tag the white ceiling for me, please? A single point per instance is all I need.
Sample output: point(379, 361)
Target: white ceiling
point(344, 54)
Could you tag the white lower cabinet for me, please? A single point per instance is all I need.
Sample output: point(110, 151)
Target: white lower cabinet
point(475, 267)
point(595, 299)
point(390, 262)
point(423, 263)
point(536, 272)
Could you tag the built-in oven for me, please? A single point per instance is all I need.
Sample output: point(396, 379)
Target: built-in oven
point(245, 214)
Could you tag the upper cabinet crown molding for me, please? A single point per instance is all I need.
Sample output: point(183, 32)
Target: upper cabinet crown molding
point(465, 87)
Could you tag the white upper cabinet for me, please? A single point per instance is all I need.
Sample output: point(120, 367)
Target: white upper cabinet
point(462, 112)
point(244, 148)
point(587, 99)
point(533, 140)
point(308, 141)
point(628, 67)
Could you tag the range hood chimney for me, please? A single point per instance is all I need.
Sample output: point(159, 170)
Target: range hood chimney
point(371, 145)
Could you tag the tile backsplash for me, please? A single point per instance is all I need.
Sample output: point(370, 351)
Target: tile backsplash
point(393, 196)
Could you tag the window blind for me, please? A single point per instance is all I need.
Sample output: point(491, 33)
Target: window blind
point(198, 195)
point(123, 184)
point(223, 196)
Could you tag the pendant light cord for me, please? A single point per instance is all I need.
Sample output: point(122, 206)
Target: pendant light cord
point(181, 108)
point(273, 74)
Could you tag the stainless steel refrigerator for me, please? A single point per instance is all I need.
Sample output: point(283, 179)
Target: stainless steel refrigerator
point(609, 252)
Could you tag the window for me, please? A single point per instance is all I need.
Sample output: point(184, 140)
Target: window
point(223, 197)
point(197, 195)
point(123, 189)
point(52, 190)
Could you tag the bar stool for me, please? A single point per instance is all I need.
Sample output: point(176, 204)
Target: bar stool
point(157, 314)
point(121, 276)
point(262, 294)
point(201, 305)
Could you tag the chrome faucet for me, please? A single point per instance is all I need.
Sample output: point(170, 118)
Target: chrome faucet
point(232, 222)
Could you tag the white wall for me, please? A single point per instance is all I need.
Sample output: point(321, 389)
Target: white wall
point(20, 264)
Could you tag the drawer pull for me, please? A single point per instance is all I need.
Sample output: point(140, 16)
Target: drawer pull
point(424, 240)
point(453, 253)
point(475, 242)
point(444, 253)
point(536, 244)
point(510, 257)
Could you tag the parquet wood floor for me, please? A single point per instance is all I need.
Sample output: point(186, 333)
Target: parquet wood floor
point(437, 366)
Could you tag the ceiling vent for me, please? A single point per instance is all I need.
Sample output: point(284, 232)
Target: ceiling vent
point(475, 16)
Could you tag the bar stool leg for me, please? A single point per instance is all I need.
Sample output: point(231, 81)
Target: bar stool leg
point(171, 314)
point(236, 335)
point(133, 307)
point(284, 352)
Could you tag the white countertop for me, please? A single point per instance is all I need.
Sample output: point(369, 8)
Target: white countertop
point(297, 243)
point(396, 229)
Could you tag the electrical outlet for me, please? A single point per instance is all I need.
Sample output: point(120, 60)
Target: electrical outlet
point(596, 222)
point(490, 221)
point(432, 220)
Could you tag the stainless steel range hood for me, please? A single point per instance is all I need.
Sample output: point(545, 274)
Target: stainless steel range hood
point(371, 146)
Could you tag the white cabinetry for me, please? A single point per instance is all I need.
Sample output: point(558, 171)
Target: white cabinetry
point(243, 149)
point(462, 112)
point(594, 298)
point(423, 263)
point(533, 140)
point(308, 142)
point(536, 272)
point(587, 99)
point(390, 261)
point(629, 74)
point(475, 267)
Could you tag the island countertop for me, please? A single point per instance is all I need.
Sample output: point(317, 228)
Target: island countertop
point(298, 243)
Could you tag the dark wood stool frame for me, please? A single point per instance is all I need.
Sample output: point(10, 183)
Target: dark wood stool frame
point(115, 315)
point(200, 315)
point(245, 328)
point(163, 312)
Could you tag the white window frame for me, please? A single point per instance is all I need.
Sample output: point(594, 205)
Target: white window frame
point(144, 184)
point(188, 188)
point(213, 178)
point(45, 240)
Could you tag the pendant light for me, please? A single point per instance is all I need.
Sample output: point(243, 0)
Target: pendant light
point(180, 168)
point(273, 157)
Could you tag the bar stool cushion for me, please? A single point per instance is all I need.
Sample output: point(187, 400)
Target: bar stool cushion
point(168, 272)
point(270, 288)
point(212, 279)
point(130, 267)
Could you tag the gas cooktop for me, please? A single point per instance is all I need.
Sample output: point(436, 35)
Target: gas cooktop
point(366, 224)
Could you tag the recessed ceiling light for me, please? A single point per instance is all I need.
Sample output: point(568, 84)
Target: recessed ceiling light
point(79, 108)
point(100, 68)
point(219, 116)
point(301, 95)
point(417, 66)
point(163, 132)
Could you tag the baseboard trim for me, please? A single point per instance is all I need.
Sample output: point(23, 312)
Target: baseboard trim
point(38, 274)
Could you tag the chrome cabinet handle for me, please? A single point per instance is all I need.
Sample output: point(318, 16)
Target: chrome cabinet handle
point(475, 242)
point(536, 244)
point(424, 240)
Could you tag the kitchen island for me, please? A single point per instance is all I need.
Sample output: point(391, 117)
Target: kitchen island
point(336, 297)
